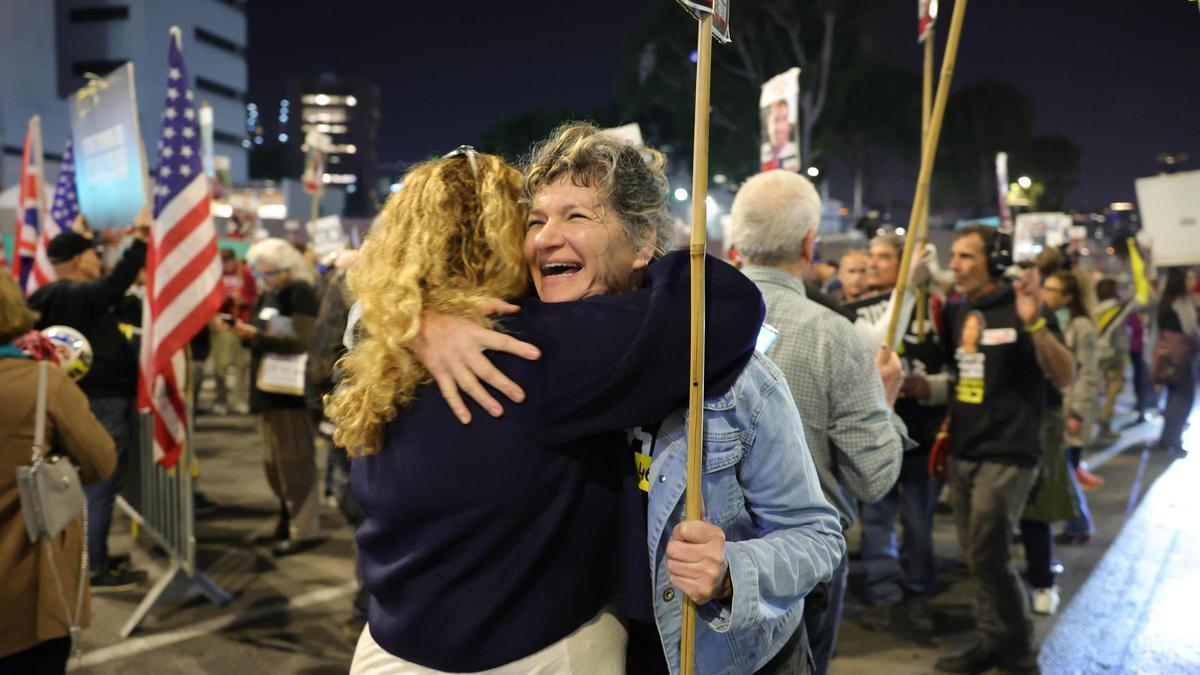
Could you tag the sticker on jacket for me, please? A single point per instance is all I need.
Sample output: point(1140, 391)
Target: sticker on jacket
point(641, 443)
point(971, 361)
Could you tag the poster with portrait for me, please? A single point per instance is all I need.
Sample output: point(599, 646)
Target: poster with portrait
point(778, 107)
point(1037, 231)
point(110, 160)
point(1170, 209)
point(718, 8)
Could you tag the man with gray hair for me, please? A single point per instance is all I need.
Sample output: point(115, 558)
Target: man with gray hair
point(855, 440)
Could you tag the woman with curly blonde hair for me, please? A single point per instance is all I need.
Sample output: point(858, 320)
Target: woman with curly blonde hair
point(500, 545)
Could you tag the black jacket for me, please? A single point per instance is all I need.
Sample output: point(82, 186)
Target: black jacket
point(91, 308)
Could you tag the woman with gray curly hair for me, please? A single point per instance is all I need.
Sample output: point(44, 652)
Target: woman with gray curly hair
point(279, 331)
point(597, 211)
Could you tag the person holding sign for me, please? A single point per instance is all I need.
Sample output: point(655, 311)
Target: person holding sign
point(278, 336)
point(497, 545)
point(85, 298)
point(1001, 343)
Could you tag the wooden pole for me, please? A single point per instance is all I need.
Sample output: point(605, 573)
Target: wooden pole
point(926, 109)
point(695, 449)
point(928, 152)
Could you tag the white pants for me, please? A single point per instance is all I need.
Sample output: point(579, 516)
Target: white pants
point(595, 648)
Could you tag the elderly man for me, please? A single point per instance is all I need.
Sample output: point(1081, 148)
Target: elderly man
point(855, 439)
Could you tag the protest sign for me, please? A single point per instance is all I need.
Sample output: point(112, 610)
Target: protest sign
point(1037, 231)
point(778, 103)
point(110, 160)
point(1170, 208)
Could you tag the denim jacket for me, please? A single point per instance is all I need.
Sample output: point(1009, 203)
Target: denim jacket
point(761, 488)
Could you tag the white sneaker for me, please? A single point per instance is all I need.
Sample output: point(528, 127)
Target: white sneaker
point(1045, 601)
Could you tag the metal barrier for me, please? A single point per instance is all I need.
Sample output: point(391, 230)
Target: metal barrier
point(166, 515)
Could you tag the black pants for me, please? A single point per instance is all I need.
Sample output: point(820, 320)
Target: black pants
point(43, 658)
point(1039, 550)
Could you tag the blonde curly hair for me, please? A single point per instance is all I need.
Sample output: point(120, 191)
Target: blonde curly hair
point(449, 238)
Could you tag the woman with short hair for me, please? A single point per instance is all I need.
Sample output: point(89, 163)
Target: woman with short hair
point(279, 331)
point(501, 545)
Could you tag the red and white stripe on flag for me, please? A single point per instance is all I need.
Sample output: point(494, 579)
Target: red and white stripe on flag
point(926, 17)
point(31, 207)
point(183, 270)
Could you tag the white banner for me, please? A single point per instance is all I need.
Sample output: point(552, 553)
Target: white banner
point(1170, 208)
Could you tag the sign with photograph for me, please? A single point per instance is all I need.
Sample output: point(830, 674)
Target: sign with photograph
point(1037, 231)
point(779, 104)
point(110, 161)
point(720, 11)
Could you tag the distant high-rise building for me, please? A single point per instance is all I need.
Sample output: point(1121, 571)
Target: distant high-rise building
point(346, 109)
point(46, 48)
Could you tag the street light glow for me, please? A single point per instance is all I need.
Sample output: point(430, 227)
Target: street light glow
point(813, 171)
point(1024, 182)
point(681, 195)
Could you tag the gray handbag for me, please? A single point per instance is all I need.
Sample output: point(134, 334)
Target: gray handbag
point(52, 498)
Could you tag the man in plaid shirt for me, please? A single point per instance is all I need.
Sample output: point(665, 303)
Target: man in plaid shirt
point(844, 396)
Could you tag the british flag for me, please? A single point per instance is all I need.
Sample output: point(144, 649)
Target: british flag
point(183, 271)
point(64, 207)
point(31, 205)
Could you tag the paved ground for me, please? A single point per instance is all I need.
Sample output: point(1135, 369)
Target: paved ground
point(287, 615)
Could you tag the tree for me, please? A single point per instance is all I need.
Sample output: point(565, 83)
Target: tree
point(822, 37)
point(511, 137)
point(1053, 162)
point(981, 119)
point(881, 115)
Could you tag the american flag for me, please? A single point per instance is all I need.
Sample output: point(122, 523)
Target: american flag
point(63, 209)
point(31, 202)
point(183, 271)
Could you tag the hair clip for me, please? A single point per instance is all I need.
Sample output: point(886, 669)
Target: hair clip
point(467, 151)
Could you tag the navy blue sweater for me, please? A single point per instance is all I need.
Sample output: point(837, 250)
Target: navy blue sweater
point(488, 542)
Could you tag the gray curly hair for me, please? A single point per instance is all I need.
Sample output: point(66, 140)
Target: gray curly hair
point(631, 178)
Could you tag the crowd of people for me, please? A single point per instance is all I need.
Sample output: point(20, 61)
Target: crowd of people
point(500, 376)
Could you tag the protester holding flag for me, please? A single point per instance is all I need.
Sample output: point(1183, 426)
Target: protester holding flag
point(282, 325)
point(84, 298)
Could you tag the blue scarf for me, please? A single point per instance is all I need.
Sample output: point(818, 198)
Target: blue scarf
point(9, 350)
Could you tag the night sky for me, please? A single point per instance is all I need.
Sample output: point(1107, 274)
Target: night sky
point(1119, 77)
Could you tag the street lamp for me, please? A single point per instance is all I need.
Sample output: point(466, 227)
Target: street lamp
point(1025, 182)
point(813, 172)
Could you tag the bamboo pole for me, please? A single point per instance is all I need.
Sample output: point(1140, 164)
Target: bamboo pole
point(926, 109)
point(929, 151)
point(692, 505)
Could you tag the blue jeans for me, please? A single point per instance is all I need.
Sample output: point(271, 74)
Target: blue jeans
point(116, 415)
point(895, 567)
point(822, 622)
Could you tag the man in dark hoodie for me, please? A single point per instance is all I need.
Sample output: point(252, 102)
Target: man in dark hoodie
point(85, 299)
point(1001, 344)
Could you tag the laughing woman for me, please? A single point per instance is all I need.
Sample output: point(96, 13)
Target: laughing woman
point(500, 546)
